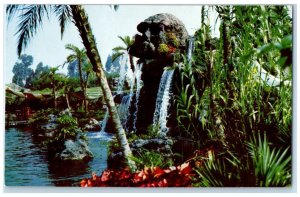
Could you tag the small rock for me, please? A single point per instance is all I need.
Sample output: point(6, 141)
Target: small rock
point(93, 125)
point(49, 127)
point(66, 112)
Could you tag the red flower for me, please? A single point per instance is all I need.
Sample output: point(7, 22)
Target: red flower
point(105, 175)
point(171, 49)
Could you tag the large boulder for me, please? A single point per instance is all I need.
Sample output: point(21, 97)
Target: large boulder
point(75, 150)
point(160, 145)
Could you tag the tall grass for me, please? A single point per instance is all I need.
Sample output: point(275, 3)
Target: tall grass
point(225, 97)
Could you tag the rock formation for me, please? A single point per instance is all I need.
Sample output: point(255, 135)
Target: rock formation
point(163, 36)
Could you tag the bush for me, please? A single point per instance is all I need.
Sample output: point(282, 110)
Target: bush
point(146, 158)
point(265, 167)
point(163, 48)
point(41, 117)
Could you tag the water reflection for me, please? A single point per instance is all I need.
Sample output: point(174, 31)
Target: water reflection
point(27, 164)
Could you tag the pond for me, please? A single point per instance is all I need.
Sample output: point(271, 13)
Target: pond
point(27, 164)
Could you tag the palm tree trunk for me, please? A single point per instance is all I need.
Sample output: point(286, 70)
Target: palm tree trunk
point(82, 85)
point(54, 94)
point(67, 100)
point(87, 79)
point(81, 22)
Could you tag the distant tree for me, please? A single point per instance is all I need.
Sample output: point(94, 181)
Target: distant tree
point(35, 75)
point(28, 82)
point(73, 69)
point(54, 79)
point(80, 56)
point(112, 66)
point(88, 71)
point(69, 85)
point(40, 68)
point(21, 70)
point(108, 63)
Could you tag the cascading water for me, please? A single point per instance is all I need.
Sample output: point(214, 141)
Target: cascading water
point(123, 109)
point(190, 49)
point(104, 122)
point(162, 101)
point(139, 85)
point(122, 78)
point(127, 101)
point(123, 75)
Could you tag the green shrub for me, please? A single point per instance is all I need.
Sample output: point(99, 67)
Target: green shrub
point(265, 167)
point(272, 167)
point(172, 39)
point(41, 117)
point(67, 128)
point(163, 48)
point(146, 158)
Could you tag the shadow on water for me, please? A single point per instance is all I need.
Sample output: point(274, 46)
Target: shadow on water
point(27, 164)
point(67, 173)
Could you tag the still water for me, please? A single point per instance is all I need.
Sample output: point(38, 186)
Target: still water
point(26, 162)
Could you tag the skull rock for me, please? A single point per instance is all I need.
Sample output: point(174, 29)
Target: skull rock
point(156, 30)
point(161, 37)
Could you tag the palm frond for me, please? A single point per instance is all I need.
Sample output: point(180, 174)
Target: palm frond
point(71, 58)
point(87, 68)
point(115, 7)
point(30, 20)
point(70, 47)
point(79, 54)
point(11, 10)
point(119, 48)
point(63, 13)
point(126, 40)
point(116, 55)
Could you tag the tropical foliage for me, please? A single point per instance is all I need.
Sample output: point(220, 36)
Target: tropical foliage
point(238, 89)
point(79, 55)
point(233, 99)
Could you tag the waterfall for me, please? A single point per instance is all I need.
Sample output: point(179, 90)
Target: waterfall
point(190, 49)
point(104, 122)
point(162, 101)
point(102, 134)
point(123, 71)
point(139, 85)
point(123, 109)
point(128, 101)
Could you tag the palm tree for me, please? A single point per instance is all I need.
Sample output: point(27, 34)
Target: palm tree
point(69, 85)
point(88, 69)
point(121, 50)
point(52, 76)
point(78, 55)
point(31, 17)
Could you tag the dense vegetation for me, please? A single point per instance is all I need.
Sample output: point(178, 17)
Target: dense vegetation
point(229, 102)
point(234, 103)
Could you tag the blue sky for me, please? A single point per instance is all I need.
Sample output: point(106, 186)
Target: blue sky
point(107, 24)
